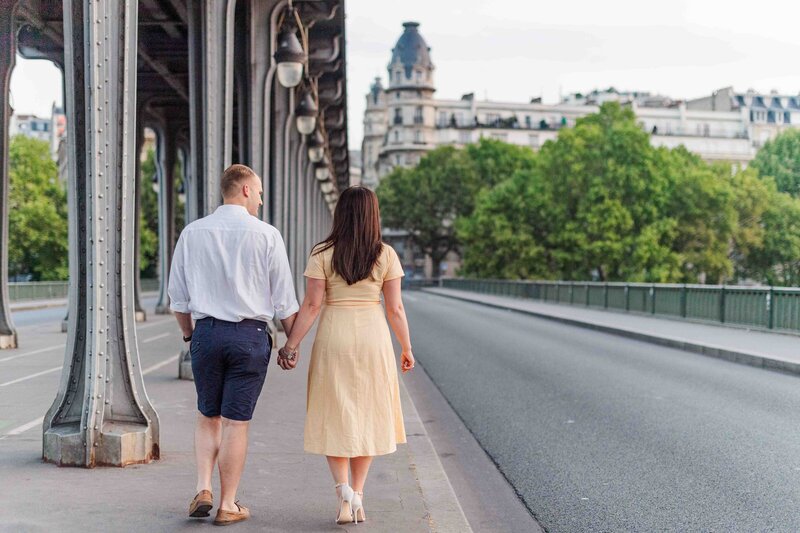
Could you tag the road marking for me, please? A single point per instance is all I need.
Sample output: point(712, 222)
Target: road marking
point(151, 339)
point(161, 364)
point(39, 421)
point(26, 378)
point(34, 352)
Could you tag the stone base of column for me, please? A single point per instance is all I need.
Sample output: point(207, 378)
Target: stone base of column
point(119, 444)
point(64, 326)
point(163, 310)
point(8, 341)
point(185, 366)
point(141, 316)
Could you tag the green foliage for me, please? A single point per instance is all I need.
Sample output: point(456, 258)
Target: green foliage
point(37, 237)
point(428, 199)
point(148, 219)
point(601, 203)
point(780, 159)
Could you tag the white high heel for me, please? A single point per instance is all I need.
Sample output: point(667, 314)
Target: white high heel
point(346, 495)
point(358, 508)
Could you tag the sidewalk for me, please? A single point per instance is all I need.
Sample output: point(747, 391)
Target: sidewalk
point(285, 488)
point(774, 351)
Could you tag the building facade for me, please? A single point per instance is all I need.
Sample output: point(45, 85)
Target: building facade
point(403, 120)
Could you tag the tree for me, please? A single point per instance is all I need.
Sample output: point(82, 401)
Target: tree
point(601, 203)
point(780, 159)
point(427, 200)
point(37, 237)
point(148, 218)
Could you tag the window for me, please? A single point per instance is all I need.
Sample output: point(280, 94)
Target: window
point(499, 136)
point(398, 115)
point(418, 115)
point(464, 137)
point(419, 76)
point(418, 137)
point(46, 126)
point(396, 136)
point(492, 118)
point(533, 141)
point(34, 126)
point(442, 118)
point(528, 121)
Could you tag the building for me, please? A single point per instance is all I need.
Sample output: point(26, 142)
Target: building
point(403, 120)
point(31, 126)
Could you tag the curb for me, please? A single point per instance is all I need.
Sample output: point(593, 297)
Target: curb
point(755, 359)
point(445, 514)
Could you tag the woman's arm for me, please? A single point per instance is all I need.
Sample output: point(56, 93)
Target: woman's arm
point(309, 310)
point(396, 315)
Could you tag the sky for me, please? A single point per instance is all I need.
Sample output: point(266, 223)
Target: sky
point(518, 49)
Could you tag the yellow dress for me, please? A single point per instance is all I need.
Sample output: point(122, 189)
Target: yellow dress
point(353, 403)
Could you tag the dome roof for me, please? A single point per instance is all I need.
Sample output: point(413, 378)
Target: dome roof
point(411, 49)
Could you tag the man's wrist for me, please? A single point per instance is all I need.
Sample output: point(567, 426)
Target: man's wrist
point(188, 338)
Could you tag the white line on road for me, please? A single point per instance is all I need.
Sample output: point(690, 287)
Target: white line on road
point(159, 365)
point(26, 378)
point(34, 352)
point(151, 339)
point(33, 423)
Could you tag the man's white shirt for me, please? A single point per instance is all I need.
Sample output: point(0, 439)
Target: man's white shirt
point(231, 266)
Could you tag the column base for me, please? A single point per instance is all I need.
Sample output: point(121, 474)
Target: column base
point(8, 342)
point(141, 316)
point(185, 366)
point(163, 310)
point(119, 444)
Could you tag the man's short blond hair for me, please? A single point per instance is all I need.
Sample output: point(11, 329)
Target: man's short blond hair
point(233, 178)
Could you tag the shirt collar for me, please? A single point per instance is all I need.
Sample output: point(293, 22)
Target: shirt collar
point(231, 209)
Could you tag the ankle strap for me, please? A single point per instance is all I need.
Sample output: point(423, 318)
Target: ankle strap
point(341, 485)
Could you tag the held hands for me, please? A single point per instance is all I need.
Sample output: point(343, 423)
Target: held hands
point(287, 359)
point(407, 361)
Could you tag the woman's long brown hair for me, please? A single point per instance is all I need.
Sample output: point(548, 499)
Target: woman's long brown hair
point(356, 234)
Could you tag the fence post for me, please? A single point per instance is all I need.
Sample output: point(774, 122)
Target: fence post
point(587, 295)
point(605, 295)
point(627, 297)
point(653, 298)
point(722, 305)
point(683, 300)
point(771, 308)
point(571, 292)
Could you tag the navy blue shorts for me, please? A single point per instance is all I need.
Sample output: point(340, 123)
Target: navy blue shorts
point(229, 363)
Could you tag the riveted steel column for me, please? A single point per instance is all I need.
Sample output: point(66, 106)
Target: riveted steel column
point(217, 72)
point(211, 28)
point(101, 414)
point(166, 212)
point(8, 50)
point(139, 312)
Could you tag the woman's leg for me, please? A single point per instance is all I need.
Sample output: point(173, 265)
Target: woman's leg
point(338, 466)
point(360, 467)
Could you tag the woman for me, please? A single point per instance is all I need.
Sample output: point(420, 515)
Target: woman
point(353, 406)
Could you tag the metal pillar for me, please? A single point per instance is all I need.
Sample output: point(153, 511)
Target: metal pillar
point(139, 313)
point(211, 37)
point(166, 212)
point(101, 414)
point(8, 50)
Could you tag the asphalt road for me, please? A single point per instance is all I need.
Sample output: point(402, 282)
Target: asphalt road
point(601, 433)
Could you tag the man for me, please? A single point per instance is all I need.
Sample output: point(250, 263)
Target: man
point(230, 273)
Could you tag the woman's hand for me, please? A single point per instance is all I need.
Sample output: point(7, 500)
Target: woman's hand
point(287, 359)
point(407, 361)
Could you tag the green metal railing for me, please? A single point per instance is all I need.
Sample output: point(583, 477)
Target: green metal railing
point(50, 290)
point(776, 308)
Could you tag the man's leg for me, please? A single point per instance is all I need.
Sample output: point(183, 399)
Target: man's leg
point(207, 437)
point(232, 454)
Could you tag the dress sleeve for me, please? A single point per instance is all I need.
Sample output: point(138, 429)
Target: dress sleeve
point(393, 269)
point(315, 268)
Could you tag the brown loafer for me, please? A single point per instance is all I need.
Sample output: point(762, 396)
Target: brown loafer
point(226, 518)
point(201, 504)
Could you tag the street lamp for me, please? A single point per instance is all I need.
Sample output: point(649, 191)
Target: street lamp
point(289, 54)
point(321, 171)
point(316, 147)
point(306, 113)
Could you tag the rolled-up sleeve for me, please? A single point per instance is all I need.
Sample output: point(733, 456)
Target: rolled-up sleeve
point(177, 290)
point(281, 285)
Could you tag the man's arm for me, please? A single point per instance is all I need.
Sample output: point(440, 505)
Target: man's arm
point(284, 298)
point(185, 323)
